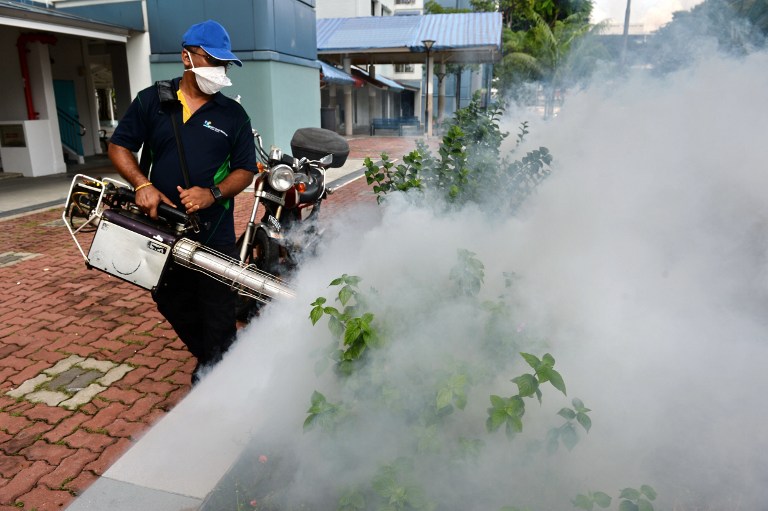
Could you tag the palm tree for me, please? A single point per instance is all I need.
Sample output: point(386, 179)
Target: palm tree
point(547, 53)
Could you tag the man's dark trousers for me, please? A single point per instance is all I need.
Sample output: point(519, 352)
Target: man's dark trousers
point(200, 309)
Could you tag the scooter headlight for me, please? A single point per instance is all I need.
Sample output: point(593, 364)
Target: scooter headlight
point(281, 177)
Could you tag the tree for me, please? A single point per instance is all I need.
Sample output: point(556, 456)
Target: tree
point(547, 53)
point(737, 27)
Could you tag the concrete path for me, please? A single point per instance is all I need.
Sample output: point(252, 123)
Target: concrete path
point(87, 365)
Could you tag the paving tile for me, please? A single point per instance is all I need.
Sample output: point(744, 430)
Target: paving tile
point(62, 314)
point(49, 397)
point(83, 396)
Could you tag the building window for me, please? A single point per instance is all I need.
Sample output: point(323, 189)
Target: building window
point(402, 2)
point(404, 68)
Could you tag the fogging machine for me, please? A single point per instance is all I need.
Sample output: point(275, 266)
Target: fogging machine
point(130, 245)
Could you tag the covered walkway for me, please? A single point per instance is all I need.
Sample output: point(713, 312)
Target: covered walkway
point(434, 38)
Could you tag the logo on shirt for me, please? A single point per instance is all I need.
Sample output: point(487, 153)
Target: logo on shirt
point(207, 124)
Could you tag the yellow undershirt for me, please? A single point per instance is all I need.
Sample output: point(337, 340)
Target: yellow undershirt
point(185, 113)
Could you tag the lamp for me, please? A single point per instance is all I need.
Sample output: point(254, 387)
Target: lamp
point(428, 43)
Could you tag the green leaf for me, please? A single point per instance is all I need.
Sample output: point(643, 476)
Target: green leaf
point(352, 332)
point(578, 405)
point(648, 492)
point(584, 420)
point(444, 398)
point(548, 360)
point(557, 381)
point(317, 398)
point(319, 301)
point(496, 418)
point(567, 413)
point(335, 326)
point(514, 426)
point(532, 360)
point(569, 436)
point(526, 384)
point(629, 493)
point(315, 314)
point(601, 499)
point(583, 502)
point(644, 505)
point(498, 401)
point(345, 294)
point(515, 406)
point(336, 282)
point(627, 505)
point(461, 400)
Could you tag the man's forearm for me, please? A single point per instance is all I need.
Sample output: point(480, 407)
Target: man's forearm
point(126, 164)
point(237, 181)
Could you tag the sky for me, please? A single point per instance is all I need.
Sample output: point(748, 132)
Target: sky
point(651, 13)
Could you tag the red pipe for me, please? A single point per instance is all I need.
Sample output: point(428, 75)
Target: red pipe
point(21, 44)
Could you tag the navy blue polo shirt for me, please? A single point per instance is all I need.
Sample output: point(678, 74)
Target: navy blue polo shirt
point(216, 138)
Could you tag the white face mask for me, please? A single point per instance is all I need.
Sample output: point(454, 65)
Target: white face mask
point(210, 79)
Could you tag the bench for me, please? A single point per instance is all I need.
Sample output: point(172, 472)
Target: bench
point(395, 123)
point(385, 124)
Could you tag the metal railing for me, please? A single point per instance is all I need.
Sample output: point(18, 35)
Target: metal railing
point(71, 131)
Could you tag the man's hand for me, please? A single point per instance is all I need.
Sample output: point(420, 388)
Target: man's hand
point(196, 198)
point(149, 198)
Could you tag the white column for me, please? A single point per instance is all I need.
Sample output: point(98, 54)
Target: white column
point(430, 76)
point(50, 158)
point(441, 95)
point(138, 51)
point(92, 125)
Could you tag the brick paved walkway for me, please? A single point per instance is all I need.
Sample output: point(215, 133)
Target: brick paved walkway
point(86, 362)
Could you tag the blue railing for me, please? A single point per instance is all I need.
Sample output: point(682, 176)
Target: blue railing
point(71, 131)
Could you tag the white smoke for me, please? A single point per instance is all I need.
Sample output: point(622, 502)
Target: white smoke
point(641, 265)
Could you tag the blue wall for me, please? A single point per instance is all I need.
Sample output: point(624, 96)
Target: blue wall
point(279, 82)
point(283, 26)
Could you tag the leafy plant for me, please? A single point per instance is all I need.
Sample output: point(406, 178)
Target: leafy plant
point(468, 274)
point(637, 500)
point(390, 177)
point(630, 499)
point(394, 485)
point(468, 166)
point(509, 411)
point(356, 332)
point(567, 431)
point(592, 499)
point(433, 405)
point(322, 413)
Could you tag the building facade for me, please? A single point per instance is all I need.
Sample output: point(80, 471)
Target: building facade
point(73, 68)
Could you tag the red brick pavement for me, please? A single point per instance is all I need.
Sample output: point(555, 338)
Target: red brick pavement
point(51, 308)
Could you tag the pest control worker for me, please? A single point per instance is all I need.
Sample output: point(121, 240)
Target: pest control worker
point(213, 134)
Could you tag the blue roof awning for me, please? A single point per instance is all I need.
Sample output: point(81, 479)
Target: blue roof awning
point(459, 37)
point(333, 75)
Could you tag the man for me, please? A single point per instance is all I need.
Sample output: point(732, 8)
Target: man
point(217, 141)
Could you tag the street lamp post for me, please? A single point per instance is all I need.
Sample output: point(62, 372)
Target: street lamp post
point(428, 43)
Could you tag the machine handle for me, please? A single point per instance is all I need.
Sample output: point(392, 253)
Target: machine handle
point(164, 211)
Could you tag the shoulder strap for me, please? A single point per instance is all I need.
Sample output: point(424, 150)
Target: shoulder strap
point(170, 103)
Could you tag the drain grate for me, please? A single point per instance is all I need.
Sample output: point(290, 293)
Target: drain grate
point(11, 258)
point(72, 382)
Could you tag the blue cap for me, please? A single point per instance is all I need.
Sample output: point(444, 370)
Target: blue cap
point(213, 38)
